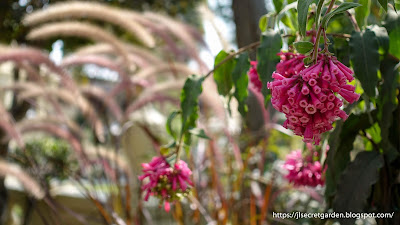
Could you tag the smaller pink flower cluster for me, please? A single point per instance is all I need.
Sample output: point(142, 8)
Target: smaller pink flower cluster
point(303, 170)
point(254, 77)
point(164, 181)
point(307, 95)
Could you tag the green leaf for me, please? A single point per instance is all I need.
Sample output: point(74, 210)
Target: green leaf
point(267, 21)
point(382, 36)
point(362, 12)
point(341, 9)
point(302, 11)
point(387, 104)
point(240, 79)
point(189, 101)
point(384, 4)
point(364, 55)
point(199, 133)
point(271, 43)
point(355, 184)
point(282, 13)
point(263, 23)
point(394, 47)
point(168, 126)
point(303, 47)
point(278, 5)
point(318, 13)
point(341, 143)
point(223, 74)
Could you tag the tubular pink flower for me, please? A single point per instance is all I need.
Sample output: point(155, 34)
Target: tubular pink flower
point(254, 77)
point(308, 97)
point(303, 171)
point(164, 181)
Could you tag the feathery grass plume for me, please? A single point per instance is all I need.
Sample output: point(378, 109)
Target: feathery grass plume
point(146, 57)
point(172, 68)
point(164, 86)
point(8, 125)
point(36, 57)
point(31, 72)
point(58, 121)
point(94, 152)
point(159, 30)
point(92, 10)
point(141, 102)
point(96, 60)
point(103, 97)
point(176, 28)
point(72, 98)
point(79, 29)
point(56, 131)
point(30, 185)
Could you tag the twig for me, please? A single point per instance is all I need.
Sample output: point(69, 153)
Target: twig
point(353, 21)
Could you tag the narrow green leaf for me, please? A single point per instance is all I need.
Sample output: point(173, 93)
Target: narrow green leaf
point(382, 36)
point(278, 5)
point(189, 102)
point(362, 12)
point(223, 74)
point(318, 13)
point(302, 11)
point(355, 184)
point(263, 23)
point(271, 43)
point(364, 55)
point(240, 80)
point(282, 13)
point(199, 133)
point(387, 104)
point(267, 21)
point(394, 47)
point(303, 47)
point(341, 143)
point(384, 4)
point(168, 126)
point(341, 9)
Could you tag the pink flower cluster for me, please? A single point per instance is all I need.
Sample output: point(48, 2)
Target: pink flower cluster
point(164, 181)
point(303, 170)
point(253, 75)
point(307, 95)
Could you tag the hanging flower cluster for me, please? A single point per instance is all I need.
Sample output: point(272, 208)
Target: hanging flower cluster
point(254, 77)
point(166, 182)
point(307, 95)
point(303, 170)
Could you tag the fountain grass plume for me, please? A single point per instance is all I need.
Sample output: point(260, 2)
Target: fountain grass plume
point(36, 57)
point(103, 97)
point(174, 69)
point(96, 60)
point(91, 10)
point(30, 185)
point(79, 29)
point(30, 90)
point(140, 56)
